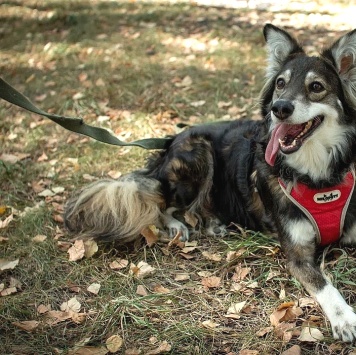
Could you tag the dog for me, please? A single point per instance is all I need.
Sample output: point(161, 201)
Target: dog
point(291, 172)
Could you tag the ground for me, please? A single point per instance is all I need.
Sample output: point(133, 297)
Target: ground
point(139, 68)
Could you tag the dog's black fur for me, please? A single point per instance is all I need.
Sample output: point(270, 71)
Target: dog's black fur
point(219, 171)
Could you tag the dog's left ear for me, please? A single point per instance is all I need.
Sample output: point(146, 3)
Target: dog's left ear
point(343, 56)
point(280, 45)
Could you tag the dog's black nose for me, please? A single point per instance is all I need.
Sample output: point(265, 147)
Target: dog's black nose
point(282, 109)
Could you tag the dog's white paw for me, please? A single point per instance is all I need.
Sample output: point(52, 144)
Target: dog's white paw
point(175, 227)
point(344, 325)
point(341, 316)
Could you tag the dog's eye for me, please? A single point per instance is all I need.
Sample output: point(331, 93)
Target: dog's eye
point(280, 84)
point(316, 87)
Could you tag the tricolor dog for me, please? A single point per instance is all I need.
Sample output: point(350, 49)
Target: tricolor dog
point(292, 172)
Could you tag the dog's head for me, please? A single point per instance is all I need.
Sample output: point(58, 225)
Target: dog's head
point(310, 103)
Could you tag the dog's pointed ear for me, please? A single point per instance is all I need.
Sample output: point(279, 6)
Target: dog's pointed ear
point(343, 56)
point(280, 45)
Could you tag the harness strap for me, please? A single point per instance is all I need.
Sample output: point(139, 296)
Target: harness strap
point(325, 208)
point(76, 124)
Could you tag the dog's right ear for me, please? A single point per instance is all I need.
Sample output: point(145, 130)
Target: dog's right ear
point(280, 45)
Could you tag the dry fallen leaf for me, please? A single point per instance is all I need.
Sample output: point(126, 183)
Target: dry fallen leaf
point(7, 265)
point(182, 277)
point(294, 350)
point(77, 250)
point(150, 234)
point(71, 305)
point(94, 288)
point(210, 324)
point(142, 269)
point(133, 351)
point(6, 221)
point(264, 331)
point(3, 210)
point(191, 219)
point(284, 331)
point(90, 248)
point(248, 352)
point(311, 335)
point(89, 350)
point(164, 347)
point(141, 290)
point(240, 273)
point(8, 291)
point(211, 281)
point(161, 289)
point(210, 256)
point(39, 238)
point(235, 309)
point(54, 317)
point(118, 264)
point(27, 325)
point(114, 343)
point(41, 309)
point(285, 312)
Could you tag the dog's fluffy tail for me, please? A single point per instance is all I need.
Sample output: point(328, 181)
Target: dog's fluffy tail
point(115, 210)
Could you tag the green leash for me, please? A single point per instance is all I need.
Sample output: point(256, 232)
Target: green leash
point(76, 124)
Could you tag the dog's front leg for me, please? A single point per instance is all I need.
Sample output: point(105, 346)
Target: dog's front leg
point(298, 243)
point(174, 226)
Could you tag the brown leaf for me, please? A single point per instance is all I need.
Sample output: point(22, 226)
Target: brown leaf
point(7, 265)
point(76, 251)
point(284, 331)
point(211, 256)
point(142, 269)
point(150, 233)
point(114, 343)
point(161, 289)
point(294, 350)
point(248, 352)
point(311, 335)
point(54, 317)
point(27, 325)
point(8, 291)
point(71, 305)
point(182, 277)
point(41, 309)
point(90, 248)
point(210, 324)
point(133, 351)
point(39, 238)
point(211, 281)
point(141, 290)
point(235, 309)
point(118, 264)
point(264, 331)
point(164, 347)
point(3, 210)
point(94, 288)
point(240, 273)
point(89, 350)
point(4, 223)
point(191, 219)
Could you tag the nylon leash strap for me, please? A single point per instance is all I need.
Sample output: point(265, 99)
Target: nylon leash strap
point(76, 124)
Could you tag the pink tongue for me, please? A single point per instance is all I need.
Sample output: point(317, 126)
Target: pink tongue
point(272, 149)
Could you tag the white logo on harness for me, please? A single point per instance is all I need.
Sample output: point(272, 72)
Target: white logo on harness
point(325, 197)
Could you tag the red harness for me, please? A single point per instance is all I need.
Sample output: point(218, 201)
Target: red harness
point(325, 208)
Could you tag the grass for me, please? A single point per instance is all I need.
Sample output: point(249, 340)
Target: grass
point(142, 67)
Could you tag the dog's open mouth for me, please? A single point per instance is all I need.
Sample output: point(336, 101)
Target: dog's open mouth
point(289, 138)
